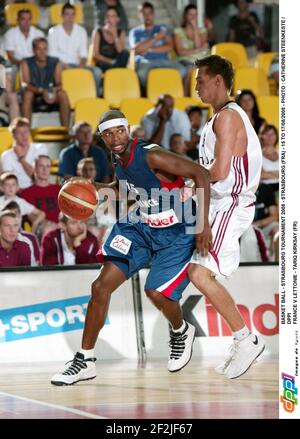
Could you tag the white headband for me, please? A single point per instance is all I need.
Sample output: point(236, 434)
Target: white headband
point(112, 123)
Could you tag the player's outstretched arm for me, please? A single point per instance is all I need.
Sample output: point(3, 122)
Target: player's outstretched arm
point(165, 161)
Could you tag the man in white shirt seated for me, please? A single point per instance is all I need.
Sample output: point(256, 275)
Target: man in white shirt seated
point(163, 120)
point(20, 158)
point(69, 42)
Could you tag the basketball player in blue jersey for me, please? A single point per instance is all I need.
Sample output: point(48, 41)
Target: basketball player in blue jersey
point(229, 148)
point(158, 231)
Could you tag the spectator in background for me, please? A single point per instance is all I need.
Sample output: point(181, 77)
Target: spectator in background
point(247, 100)
point(245, 28)
point(81, 148)
point(18, 40)
point(20, 158)
point(274, 73)
point(195, 115)
point(137, 131)
point(177, 144)
point(102, 6)
point(102, 222)
point(10, 100)
point(28, 237)
point(270, 165)
point(163, 120)
point(69, 244)
point(109, 43)
point(190, 42)
point(266, 215)
point(14, 252)
point(43, 194)
point(69, 42)
point(10, 187)
point(152, 44)
point(41, 82)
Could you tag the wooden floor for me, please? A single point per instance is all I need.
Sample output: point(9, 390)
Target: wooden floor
point(124, 391)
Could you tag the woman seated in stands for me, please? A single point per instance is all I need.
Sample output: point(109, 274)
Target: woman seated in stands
point(190, 41)
point(270, 165)
point(109, 43)
point(247, 100)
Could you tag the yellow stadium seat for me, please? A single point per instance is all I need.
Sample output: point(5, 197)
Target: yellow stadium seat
point(55, 13)
point(50, 134)
point(119, 84)
point(162, 81)
point(263, 61)
point(90, 110)
point(234, 52)
point(6, 139)
point(251, 78)
point(269, 109)
point(78, 84)
point(12, 9)
point(135, 108)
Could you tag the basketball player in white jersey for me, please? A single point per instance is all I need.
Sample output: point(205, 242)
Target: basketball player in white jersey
point(229, 148)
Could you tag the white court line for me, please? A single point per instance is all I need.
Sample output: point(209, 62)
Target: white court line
point(57, 407)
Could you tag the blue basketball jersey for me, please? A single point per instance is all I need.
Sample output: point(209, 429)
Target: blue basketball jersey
point(157, 202)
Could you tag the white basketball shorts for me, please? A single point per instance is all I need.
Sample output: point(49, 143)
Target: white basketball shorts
point(227, 227)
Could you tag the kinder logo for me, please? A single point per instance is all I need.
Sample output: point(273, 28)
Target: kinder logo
point(264, 318)
point(288, 399)
point(42, 319)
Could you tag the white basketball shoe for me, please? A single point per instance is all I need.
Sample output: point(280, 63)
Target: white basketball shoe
point(81, 369)
point(242, 355)
point(181, 345)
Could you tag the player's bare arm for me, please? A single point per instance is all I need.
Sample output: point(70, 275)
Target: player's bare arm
point(230, 141)
point(167, 162)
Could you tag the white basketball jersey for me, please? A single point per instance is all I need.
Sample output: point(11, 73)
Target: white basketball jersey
point(243, 179)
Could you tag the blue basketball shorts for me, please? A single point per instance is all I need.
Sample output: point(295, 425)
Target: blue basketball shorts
point(133, 246)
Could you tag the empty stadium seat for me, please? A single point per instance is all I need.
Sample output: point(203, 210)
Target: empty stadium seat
point(269, 109)
point(55, 13)
point(162, 81)
point(135, 108)
point(90, 110)
point(12, 9)
point(235, 52)
point(118, 84)
point(251, 78)
point(6, 139)
point(78, 84)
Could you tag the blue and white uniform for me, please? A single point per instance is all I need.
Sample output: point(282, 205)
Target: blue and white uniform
point(159, 231)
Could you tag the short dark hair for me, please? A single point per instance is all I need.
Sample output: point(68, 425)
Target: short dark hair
point(12, 205)
point(67, 6)
point(193, 109)
point(217, 65)
point(38, 40)
point(145, 5)
point(23, 11)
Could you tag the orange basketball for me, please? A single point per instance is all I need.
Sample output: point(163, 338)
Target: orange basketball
point(78, 199)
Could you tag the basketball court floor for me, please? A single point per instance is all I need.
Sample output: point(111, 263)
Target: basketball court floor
point(122, 390)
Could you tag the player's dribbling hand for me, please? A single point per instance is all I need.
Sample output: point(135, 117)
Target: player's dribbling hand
point(203, 241)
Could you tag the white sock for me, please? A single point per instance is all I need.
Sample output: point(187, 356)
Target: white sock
point(241, 334)
point(182, 327)
point(88, 353)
